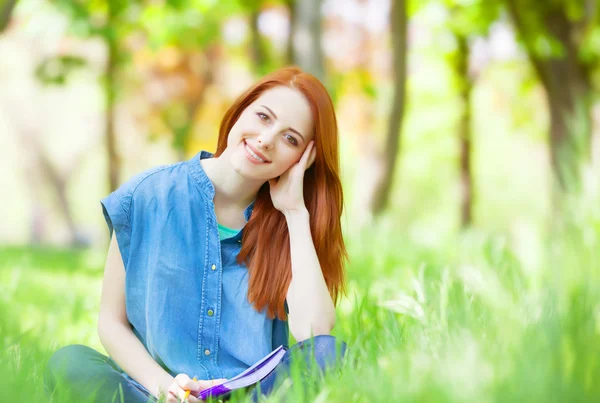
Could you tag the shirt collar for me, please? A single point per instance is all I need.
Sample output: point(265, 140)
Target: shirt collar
point(203, 181)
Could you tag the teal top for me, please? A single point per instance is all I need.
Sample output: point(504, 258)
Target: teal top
point(226, 232)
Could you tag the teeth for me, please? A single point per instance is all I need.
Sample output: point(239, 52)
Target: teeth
point(254, 155)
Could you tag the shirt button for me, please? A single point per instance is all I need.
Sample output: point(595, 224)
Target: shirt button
point(214, 267)
point(210, 312)
point(239, 241)
point(207, 352)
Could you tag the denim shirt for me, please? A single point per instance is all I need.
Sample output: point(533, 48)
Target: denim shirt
point(186, 295)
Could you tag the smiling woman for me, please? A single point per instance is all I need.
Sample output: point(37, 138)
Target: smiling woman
point(214, 260)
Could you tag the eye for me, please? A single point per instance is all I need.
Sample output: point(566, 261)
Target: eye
point(264, 117)
point(291, 139)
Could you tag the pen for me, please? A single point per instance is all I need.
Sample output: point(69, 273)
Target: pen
point(187, 392)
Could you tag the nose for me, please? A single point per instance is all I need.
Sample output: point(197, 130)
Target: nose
point(266, 140)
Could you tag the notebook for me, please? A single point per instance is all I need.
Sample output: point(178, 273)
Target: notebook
point(249, 377)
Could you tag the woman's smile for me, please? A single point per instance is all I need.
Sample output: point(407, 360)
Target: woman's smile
point(254, 156)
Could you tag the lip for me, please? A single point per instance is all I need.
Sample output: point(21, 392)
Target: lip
point(255, 151)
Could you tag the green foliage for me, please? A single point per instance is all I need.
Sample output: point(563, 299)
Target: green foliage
point(471, 17)
point(184, 23)
point(6, 9)
point(188, 24)
point(545, 27)
point(98, 17)
point(465, 20)
point(588, 52)
point(56, 70)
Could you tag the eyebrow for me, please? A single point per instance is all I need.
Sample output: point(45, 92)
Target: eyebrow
point(291, 128)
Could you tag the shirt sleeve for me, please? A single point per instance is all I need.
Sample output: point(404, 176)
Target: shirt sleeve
point(116, 208)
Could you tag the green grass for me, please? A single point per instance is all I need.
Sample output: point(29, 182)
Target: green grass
point(473, 318)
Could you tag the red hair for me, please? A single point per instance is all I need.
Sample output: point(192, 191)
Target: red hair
point(266, 241)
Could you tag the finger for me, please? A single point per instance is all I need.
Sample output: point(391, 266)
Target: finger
point(182, 379)
point(210, 383)
point(206, 384)
point(181, 395)
point(178, 394)
point(186, 383)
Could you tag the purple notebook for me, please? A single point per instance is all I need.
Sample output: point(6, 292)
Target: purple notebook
point(249, 377)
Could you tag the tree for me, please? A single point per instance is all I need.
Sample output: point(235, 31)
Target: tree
point(258, 53)
point(195, 50)
point(398, 24)
point(556, 36)
point(6, 10)
point(111, 21)
point(465, 88)
point(291, 5)
point(175, 112)
point(161, 25)
point(464, 23)
point(115, 9)
point(306, 35)
point(43, 175)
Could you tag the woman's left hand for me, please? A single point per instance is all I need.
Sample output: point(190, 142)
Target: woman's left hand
point(287, 192)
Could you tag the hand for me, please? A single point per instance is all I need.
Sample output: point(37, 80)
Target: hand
point(287, 191)
point(183, 383)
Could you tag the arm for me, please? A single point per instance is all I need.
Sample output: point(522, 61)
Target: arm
point(311, 310)
point(115, 332)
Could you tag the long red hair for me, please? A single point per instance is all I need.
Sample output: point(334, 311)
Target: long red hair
point(266, 242)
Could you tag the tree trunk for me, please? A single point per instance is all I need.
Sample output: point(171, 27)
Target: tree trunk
point(391, 151)
point(570, 123)
point(6, 12)
point(308, 53)
point(257, 52)
point(211, 59)
point(568, 92)
point(41, 167)
point(464, 131)
point(59, 184)
point(289, 59)
point(114, 163)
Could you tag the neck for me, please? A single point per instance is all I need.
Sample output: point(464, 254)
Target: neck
point(231, 189)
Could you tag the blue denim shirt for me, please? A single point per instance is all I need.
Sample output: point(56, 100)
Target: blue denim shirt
point(186, 296)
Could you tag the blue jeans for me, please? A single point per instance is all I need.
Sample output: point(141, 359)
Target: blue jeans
point(80, 373)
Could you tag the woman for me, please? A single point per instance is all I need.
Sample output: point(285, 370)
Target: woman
point(210, 259)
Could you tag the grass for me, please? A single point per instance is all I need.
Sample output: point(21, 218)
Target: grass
point(472, 319)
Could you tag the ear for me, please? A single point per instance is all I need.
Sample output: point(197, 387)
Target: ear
point(312, 157)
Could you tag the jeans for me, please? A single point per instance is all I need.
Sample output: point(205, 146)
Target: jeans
point(80, 373)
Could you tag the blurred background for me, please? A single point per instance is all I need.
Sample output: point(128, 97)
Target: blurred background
point(470, 155)
point(451, 113)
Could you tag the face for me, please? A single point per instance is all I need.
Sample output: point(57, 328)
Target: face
point(271, 134)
